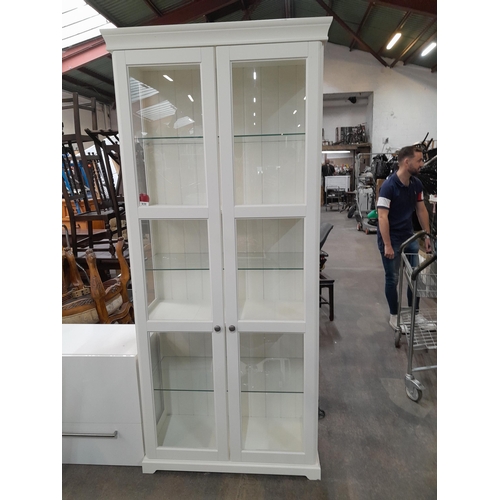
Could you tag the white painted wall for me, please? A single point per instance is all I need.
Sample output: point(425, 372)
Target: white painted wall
point(404, 98)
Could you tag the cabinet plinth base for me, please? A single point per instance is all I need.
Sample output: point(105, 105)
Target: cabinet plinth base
point(312, 471)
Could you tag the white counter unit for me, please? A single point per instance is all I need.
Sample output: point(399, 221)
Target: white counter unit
point(101, 414)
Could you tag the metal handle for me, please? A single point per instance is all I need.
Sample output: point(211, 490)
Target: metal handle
point(217, 328)
point(427, 262)
point(419, 269)
point(232, 328)
point(90, 434)
point(416, 236)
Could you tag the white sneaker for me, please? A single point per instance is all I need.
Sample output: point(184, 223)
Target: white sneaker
point(393, 321)
point(419, 319)
point(425, 324)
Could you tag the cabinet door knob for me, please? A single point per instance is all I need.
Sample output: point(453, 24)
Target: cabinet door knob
point(217, 328)
point(232, 328)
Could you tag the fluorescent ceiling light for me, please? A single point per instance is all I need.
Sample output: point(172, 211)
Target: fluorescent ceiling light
point(428, 49)
point(168, 78)
point(295, 112)
point(158, 111)
point(255, 75)
point(395, 38)
point(182, 122)
point(139, 90)
point(335, 152)
point(190, 98)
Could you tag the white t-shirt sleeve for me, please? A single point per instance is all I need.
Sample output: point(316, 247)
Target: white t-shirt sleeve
point(383, 202)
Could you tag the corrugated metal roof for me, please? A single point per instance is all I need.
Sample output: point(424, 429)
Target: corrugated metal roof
point(125, 12)
point(358, 24)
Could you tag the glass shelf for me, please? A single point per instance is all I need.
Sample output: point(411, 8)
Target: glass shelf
point(284, 135)
point(178, 262)
point(258, 375)
point(169, 138)
point(236, 136)
point(246, 261)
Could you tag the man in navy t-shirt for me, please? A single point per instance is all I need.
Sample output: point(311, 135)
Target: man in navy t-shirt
point(400, 195)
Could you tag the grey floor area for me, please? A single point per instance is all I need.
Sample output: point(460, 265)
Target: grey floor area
point(374, 442)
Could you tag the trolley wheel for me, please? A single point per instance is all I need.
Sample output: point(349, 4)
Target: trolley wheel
point(397, 338)
point(414, 393)
point(367, 231)
point(351, 212)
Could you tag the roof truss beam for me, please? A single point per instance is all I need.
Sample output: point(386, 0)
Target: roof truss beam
point(97, 76)
point(153, 7)
point(426, 7)
point(289, 11)
point(82, 54)
point(79, 83)
point(362, 23)
point(397, 30)
point(223, 12)
point(412, 44)
point(351, 32)
point(415, 52)
point(249, 9)
point(190, 12)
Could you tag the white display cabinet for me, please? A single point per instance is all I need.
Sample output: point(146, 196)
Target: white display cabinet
point(220, 136)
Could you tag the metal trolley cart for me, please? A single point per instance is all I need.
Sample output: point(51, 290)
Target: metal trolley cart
point(336, 187)
point(419, 327)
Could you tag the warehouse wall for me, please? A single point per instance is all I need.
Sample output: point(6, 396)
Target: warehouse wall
point(404, 98)
point(342, 116)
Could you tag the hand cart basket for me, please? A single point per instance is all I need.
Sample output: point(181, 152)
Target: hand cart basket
point(418, 323)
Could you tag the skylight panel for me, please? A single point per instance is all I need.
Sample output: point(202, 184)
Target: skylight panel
point(80, 22)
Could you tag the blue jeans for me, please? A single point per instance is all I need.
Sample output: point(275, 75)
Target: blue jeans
point(391, 268)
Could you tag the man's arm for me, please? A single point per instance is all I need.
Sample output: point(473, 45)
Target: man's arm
point(383, 225)
point(423, 219)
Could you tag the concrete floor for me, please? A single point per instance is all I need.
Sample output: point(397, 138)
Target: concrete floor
point(374, 442)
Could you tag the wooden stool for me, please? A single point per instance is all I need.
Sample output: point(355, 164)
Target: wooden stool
point(326, 282)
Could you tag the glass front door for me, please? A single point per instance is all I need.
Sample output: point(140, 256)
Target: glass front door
point(264, 210)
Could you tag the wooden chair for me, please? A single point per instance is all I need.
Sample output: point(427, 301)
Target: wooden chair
point(107, 145)
point(89, 194)
point(101, 291)
point(99, 302)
